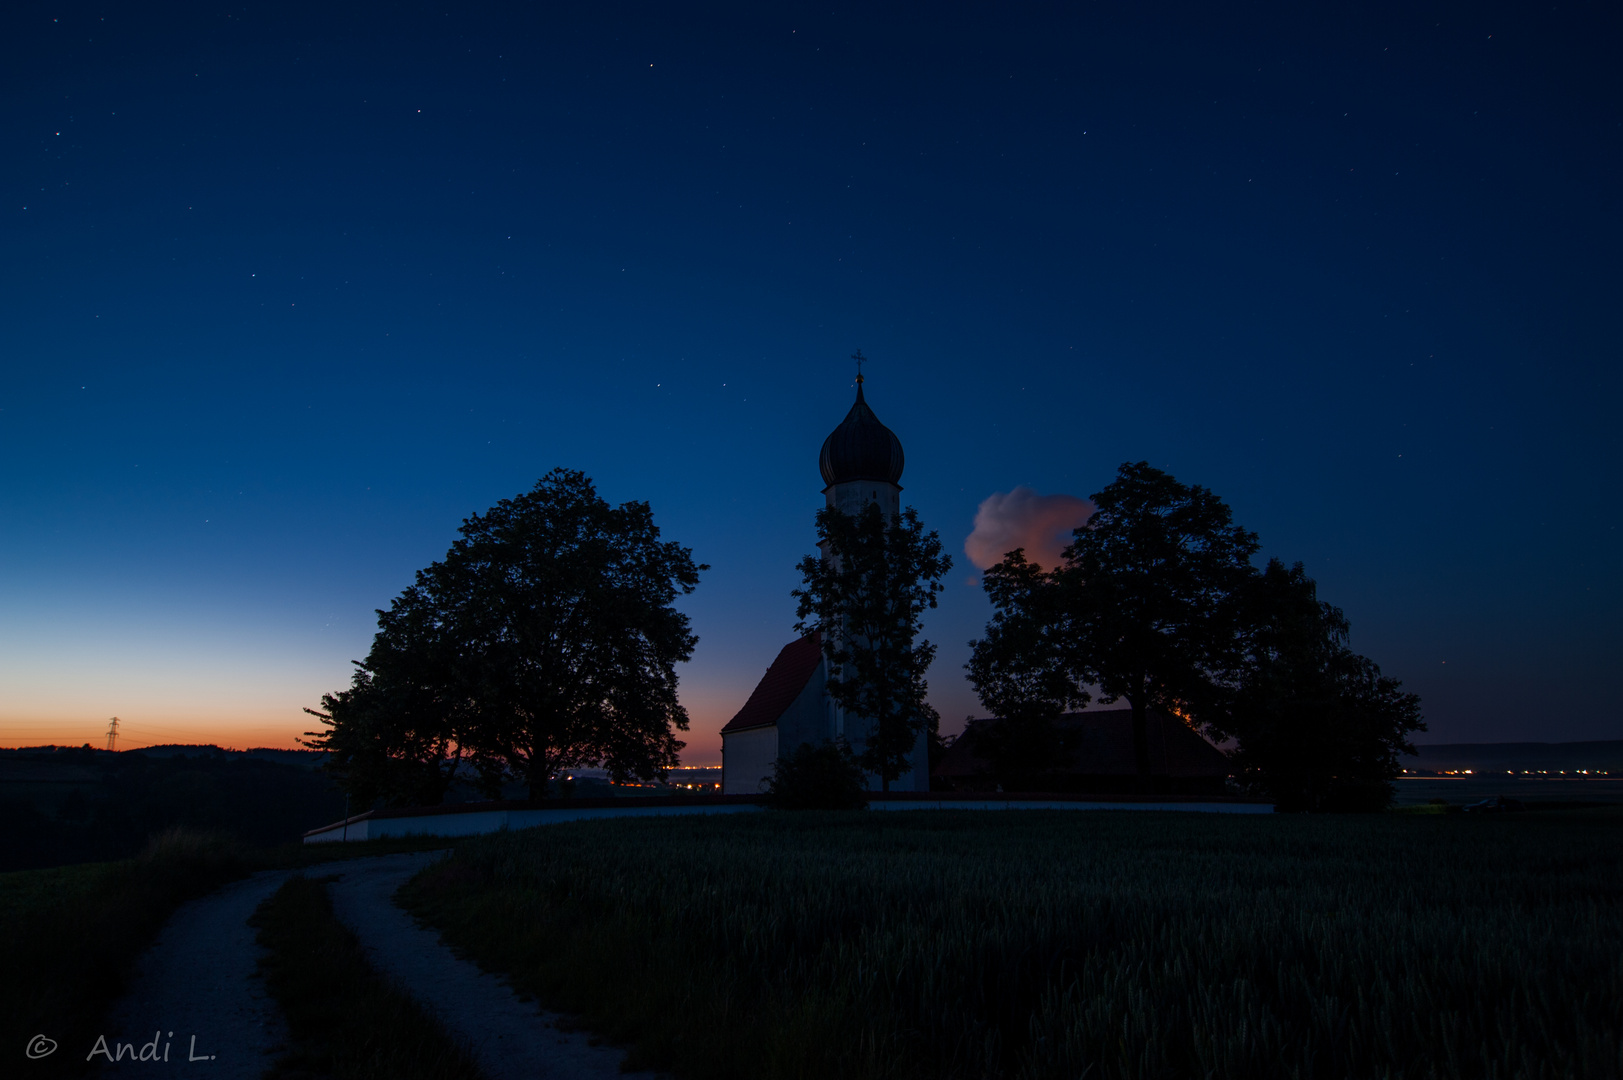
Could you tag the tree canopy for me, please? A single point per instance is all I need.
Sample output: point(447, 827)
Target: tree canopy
point(1318, 726)
point(1148, 597)
point(546, 639)
point(867, 594)
point(1018, 671)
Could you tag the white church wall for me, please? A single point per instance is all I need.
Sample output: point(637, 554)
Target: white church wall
point(747, 758)
point(808, 719)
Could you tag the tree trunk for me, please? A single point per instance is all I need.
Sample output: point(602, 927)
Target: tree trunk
point(1141, 734)
point(538, 777)
point(881, 735)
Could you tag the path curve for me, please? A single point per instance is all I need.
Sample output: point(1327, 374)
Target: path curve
point(511, 1039)
point(200, 980)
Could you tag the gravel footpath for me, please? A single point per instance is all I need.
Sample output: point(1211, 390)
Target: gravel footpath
point(198, 989)
point(511, 1039)
point(201, 980)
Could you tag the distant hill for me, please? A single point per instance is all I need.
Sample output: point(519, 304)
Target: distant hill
point(63, 805)
point(85, 751)
point(307, 758)
point(180, 750)
point(1603, 756)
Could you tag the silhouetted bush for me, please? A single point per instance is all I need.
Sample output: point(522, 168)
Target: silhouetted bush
point(823, 777)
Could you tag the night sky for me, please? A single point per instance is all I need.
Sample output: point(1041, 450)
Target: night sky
point(287, 293)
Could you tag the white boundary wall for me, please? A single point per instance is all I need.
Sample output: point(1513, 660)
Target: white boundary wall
point(488, 821)
point(1072, 804)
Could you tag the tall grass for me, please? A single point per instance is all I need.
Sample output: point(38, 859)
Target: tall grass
point(1063, 944)
point(69, 936)
point(346, 1022)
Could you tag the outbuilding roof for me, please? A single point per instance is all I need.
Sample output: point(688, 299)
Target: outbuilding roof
point(1101, 744)
point(782, 683)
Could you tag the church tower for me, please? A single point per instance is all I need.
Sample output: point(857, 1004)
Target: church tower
point(861, 463)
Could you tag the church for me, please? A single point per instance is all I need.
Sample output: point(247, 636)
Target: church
point(861, 464)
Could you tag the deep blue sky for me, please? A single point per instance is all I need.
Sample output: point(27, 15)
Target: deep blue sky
point(289, 292)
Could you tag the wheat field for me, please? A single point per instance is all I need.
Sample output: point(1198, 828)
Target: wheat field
point(1048, 944)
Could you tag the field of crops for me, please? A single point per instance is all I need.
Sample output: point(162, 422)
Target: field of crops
point(1054, 944)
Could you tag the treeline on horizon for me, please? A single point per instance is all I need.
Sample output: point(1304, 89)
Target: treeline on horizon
point(83, 805)
point(546, 640)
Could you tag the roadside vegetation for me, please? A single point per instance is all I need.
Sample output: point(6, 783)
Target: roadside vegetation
point(1053, 944)
point(70, 935)
point(345, 1021)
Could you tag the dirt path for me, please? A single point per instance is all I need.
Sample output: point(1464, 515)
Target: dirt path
point(197, 988)
point(512, 1039)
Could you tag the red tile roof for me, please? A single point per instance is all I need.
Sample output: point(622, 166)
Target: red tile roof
point(781, 684)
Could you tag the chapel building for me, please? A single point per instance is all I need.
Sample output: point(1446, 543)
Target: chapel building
point(861, 464)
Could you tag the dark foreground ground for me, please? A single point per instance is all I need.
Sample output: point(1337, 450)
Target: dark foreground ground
point(70, 935)
point(1048, 944)
point(1463, 790)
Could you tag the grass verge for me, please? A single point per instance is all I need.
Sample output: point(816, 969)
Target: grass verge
point(345, 1021)
point(1060, 944)
point(69, 935)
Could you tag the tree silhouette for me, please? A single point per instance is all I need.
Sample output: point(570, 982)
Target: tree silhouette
point(1019, 674)
point(546, 639)
point(866, 594)
point(1149, 591)
point(1318, 726)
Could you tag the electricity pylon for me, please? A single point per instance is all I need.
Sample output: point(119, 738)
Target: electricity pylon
point(112, 732)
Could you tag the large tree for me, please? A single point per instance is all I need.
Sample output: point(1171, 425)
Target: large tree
point(1318, 726)
point(1148, 595)
point(866, 594)
point(548, 638)
point(397, 735)
point(1019, 674)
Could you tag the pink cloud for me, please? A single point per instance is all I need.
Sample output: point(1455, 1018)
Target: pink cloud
point(1042, 524)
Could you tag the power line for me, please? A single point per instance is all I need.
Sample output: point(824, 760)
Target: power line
point(112, 732)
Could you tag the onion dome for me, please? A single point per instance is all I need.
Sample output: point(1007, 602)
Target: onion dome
point(861, 448)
